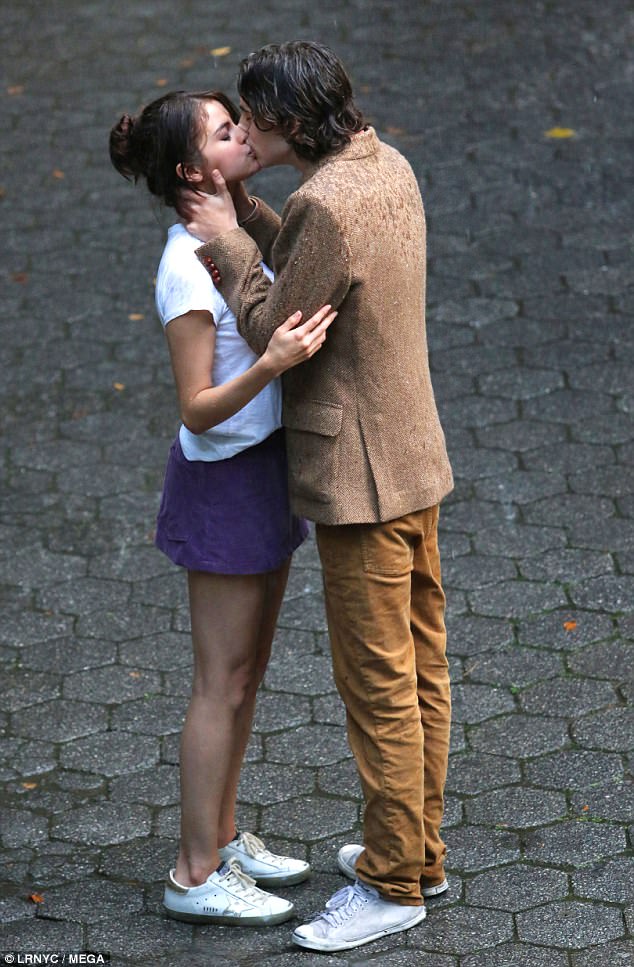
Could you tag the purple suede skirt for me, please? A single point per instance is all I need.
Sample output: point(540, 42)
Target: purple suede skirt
point(229, 516)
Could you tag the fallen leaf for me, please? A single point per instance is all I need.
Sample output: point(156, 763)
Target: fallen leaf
point(570, 625)
point(585, 809)
point(136, 316)
point(220, 51)
point(2, 192)
point(560, 133)
point(391, 129)
point(36, 898)
point(16, 89)
point(119, 386)
point(161, 82)
point(134, 674)
point(187, 62)
point(29, 785)
point(57, 173)
point(20, 277)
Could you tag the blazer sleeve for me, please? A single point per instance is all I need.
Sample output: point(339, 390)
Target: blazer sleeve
point(312, 264)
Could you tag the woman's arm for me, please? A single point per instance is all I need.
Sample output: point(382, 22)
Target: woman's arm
point(192, 338)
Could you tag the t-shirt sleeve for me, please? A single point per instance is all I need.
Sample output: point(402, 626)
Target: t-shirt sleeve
point(182, 286)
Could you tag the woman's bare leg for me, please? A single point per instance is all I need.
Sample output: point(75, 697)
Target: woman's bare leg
point(227, 615)
point(275, 585)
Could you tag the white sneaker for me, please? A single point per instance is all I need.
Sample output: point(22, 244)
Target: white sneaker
point(265, 867)
point(354, 916)
point(227, 896)
point(347, 862)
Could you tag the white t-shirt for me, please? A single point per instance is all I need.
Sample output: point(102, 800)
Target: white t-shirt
point(182, 285)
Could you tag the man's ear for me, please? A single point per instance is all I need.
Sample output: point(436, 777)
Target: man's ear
point(189, 172)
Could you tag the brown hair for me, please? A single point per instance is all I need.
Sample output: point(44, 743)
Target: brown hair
point(303, 89)
point(163, 135)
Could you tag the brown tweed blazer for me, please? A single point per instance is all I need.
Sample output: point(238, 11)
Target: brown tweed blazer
point(364, 439)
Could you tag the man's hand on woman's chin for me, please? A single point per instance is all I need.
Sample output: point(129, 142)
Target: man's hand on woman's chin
point(208, 216)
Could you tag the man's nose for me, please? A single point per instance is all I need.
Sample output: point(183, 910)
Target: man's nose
point(244, 124)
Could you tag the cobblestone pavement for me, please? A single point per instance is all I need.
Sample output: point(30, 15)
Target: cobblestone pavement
point(517, 118)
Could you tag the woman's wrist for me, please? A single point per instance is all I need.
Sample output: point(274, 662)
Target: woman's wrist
point(249, 212)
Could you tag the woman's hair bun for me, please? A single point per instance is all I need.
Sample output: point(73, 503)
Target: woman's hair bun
point(122, 152)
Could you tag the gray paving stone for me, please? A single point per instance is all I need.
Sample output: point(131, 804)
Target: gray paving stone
point(610, 880)
point(516, 599)
point(84, 595)
point(111, 684)
point(525, 735)
point(311, 676)
point(516, 667)
point(602, 660)
point(309, 745)
point(464, 930)
point(21, 828)
point(156, 786)
point(614, 801)
point(104, 824)
point(68, 655)
point(611, 593)
point(266, 783)
point(476, 571)
point(567, 566)
point(473, 634)
point(518, 541)
point(520, 487)
point(476, 703)
point(111, 753)
point(612, 729)
point(20, 630)
point(152, 715)
point(565, 630)
point(140, 936)
point(309, 818)
point(57, 863)
point(329, 709)
point(574, 843)
point(517, 955)
point(574, 770)
point(279, 710)
point(517, 887)
point(60, 721)
point(566, 697)
point(134, 621)
point(570, 925)
point(619, 953)
point(37, 935)
point(516, 807)
point(471, 773)
point(89, 902)
point(471, 848)
point(21, 689)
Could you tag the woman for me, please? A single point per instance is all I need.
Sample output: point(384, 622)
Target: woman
point(224, 513)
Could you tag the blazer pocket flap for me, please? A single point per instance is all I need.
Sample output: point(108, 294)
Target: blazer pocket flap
point(314, 416)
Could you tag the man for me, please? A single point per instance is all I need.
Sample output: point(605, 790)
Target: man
point(367, 457)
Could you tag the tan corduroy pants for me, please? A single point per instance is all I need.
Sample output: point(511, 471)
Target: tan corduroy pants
point(385, 608)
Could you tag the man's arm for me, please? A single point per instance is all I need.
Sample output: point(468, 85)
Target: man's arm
point(311, 259)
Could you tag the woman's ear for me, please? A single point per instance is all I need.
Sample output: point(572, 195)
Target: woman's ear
point(189, 172)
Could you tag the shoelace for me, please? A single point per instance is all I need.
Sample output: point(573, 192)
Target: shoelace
point(255, 848)
point(343, 904)
point(241, 882)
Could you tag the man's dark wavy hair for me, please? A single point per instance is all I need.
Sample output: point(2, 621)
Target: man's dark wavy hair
point(301, 88)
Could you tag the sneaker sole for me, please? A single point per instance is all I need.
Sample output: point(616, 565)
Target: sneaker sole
point(260, 921)
point(427, 891)
point(349, 944)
